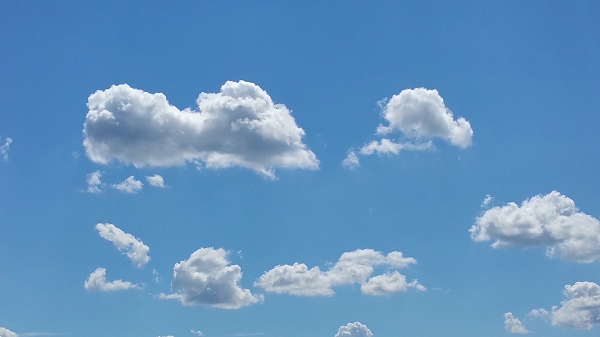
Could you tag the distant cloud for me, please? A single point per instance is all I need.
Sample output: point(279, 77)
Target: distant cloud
point(134, 248)
point(95, 185)
point(550, 220)
point(355, 329)
point(208, 279)
point(4, 332)
point(513, 324)
point(238, 126)
point(195, 332)
point(420, 114)
point(486, 201)
point(4, 152)
point(97, 281)
point(352, 267)
point(351, 161)
point(156, 180)
point(129, 185)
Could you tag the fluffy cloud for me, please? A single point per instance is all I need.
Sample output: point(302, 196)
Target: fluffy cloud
point(95, 185)
point(550, 220)
point(238, 126)
point(129, 185)
point(420, 114)
point(135, 249)
point(351, 161)
point(513, 324)
point(352, 267)
point(208, 279)
point(156, 180)
point(4, 148)
point(355, 329)
point(97, 281)
point(4, 332)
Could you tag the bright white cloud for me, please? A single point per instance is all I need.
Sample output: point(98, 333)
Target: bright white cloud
point(4, 148)
point(486, 201)
point(351, 161)
point(133, 247)
point(550, 220)
point(95, 185)
point(352, 267)
point(355, 329)
point(580, 308)
point(513, 324)
point(238, 126)
point(129, 185)
point(156, 180)
point(97, 281)
point(4, 332)
point(207, 278)
point(386, 146)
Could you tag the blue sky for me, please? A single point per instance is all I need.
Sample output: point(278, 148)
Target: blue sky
point(254, 193)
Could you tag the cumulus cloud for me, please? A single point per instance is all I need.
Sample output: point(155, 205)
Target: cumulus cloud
point(513, 324)
point(129, 185)
point(95, 185)
point(207, 278)
point(352, 267)
point(97, 281)
point(550, 220)
point(355, 329)
point(351, 161)
point(4, 148)
point(134, 248)
point(238, 126)
point(4, 332)
point(156, 180)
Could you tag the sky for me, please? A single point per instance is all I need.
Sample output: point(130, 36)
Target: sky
point(327, 169)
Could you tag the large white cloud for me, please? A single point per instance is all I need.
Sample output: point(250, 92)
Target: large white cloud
point(135, 249)
point(207, 278)
point(4, 332)
point(550, 220)
point(513, 324)
point(97, 281)
point(352, 267)
point(355, 329)
point(238, 126)
point(420, 114)
point(4, 148)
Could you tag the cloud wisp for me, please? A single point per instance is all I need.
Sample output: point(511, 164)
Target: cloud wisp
point(238, 126)
point(356, 329)
point(4, 148)
point(95, 184)
point(512, 324)
point(133, 247)
point(97, 281)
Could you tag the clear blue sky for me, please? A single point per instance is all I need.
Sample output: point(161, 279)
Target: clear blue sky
point(246, 198)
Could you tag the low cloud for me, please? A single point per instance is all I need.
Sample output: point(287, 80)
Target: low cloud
point(155, 180)
point(97, 281)
point(207, 278)
point(4, 150)
point(352, 267)
point(355, 329)
point(4, 332)
point(133, 247)
point(513, 324)
point(95, 184)
point(550, 221)
point(129, 185)
point(238, 126)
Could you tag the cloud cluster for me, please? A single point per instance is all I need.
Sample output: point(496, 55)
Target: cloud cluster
point(513, 324)
point(97, 281)
point(238, 126)
point(550, 220)
point(420, 114)
point(4, 148)
point(352, 267)
point(207, 278)
point(134, 248)
point(129, 185)
point(355, 329)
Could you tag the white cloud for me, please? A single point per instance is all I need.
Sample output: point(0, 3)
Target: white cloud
point(352, 267)
point(386, 146)
point(513, 324)
point(486, 201)
point(388, 283)
point(195, 332)
point(4, 332)
point(580, 309)
point(351, 161)
point(208, 279)
point(238, 126)
point(97, 281)
point(355, 329)
point(156, 180)
point(95, 185)
point(129, 185)
point(550, 220)
point(4, 148)
point(134, 248)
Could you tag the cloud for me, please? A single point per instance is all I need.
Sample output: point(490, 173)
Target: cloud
point(352, 267)
point(387, 146)
point(238, 126)
point(129, 185)
point(513, 324)
point(156, 180)
point(4, 332)
point(550, 220)
point(134, 248)
point(355, 329)
point(4, 149)
point(95, 185)
point(486, 201)
point(351, 161)
point(207, 278)
point(195, 332)
point(97, 281)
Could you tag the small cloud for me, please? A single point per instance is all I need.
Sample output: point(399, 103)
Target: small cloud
point(95, 185)
point(356, 329)
point(156, 180)
point(196, 332)
point(129, 185)
point(133, 247)
point(156, 278)
point(97, 281)
point(351, 161)
point(4, 332)
point(486, 201)
point(513, 324)
point(4, 148)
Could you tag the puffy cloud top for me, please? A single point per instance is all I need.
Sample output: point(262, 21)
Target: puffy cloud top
point(580, 308)
point(97, 281)
point(355, 329)
point(4, 332)
point(550, 220)
point(135, 249)
point(239, 126)
point(513, 324)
